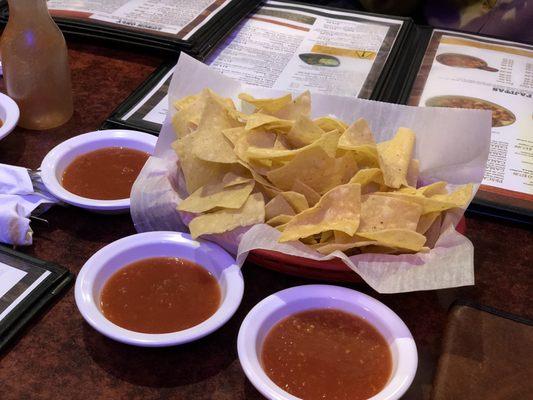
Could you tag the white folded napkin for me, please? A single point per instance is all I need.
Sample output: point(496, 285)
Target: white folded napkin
point(20, 197)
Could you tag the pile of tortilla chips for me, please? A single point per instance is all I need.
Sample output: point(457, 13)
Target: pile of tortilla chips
point(319, 181)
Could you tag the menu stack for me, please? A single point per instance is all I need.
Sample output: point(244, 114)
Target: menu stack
point(181, 25)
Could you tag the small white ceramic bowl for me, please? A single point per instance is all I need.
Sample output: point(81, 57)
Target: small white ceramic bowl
point(62, 155)
point(9, 114)
point(99, 268)
point(287, 302)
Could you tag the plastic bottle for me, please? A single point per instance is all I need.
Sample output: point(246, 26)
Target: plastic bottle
point(35, 64)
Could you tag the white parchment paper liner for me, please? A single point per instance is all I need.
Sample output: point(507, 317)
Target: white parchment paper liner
point(451, 145)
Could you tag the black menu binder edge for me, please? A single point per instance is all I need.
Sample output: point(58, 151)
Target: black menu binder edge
point(115, 120)
point(494, 311)
point(48, 290)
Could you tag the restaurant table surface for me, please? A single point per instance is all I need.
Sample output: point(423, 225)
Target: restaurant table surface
point(60, 356)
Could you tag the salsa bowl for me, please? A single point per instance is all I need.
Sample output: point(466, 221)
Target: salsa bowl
point(280, 305)
point(105, 262)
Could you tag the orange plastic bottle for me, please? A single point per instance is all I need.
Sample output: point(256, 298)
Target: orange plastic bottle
point(35, 64)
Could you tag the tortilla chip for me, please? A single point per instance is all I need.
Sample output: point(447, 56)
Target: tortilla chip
point(426, 221)
point(356, 135)
point(300, 106)
point(197, 172)
point(269, 189)
point(339, 209)
point(345, 168)
point(433, 189)
point(304, 132)
point(367, 176)
point(209, 142)
point(401, 239)
point(282, 143)
point(252, 212)
point(267, 106)
point(297, 201)
point(233, 178)
point(366, 155)
point(234, 134)
point(328, 142)
point(216, 195)
point(328, 124)
point(310, 194)
point(342, 242)
point(326, 237)
point(380, 212)
point(266, 121)
point(460, 196)
point(328, 248)
point(190, 110)
point(278, 206)
point(314, 168)
point(395, 156)
point(186, 101)
point(187, 119)
point(440, 202)
point(279, 220)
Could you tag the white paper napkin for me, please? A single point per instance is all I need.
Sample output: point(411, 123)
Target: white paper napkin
point(451, 145)
point(20, 196)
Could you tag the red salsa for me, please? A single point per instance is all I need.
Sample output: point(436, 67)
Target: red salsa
point(104, 174)
point(160, 295)
point(327, 354)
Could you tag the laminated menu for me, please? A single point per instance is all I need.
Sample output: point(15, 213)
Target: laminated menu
point(467, 71)
point(180, 18)
point(194, 26)
point(290, 46)
point(26, 286)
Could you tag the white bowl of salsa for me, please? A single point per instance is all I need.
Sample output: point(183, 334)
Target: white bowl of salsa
point(177, 302)
point(315, 340)
point(9, 115)
point(96, 170)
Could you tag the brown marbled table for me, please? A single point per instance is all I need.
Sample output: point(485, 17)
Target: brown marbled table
point(61, 357)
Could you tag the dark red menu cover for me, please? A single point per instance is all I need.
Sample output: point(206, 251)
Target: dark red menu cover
point(487, 355)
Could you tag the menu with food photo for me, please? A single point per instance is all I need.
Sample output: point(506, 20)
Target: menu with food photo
point(466, 71)
point(291, 46)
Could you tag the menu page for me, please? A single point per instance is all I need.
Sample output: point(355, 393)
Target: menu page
point(296, 47)
point(177, 17)
point(466, 71)
point(16, 284)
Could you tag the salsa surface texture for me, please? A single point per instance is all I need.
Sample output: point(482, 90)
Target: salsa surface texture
point(327, 354)
point(104, 174)
point(160, 295)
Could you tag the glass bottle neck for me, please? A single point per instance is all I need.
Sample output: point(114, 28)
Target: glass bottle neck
point(27, 8)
